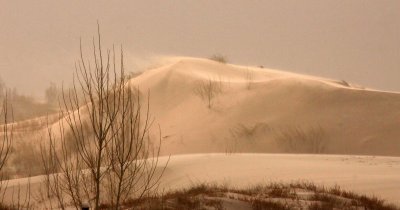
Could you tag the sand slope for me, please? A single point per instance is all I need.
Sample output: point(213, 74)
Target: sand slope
point(370, 175)
point(243, 119)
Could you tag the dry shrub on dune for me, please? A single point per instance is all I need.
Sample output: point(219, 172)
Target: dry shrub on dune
point(249, 78)
point(208, 90)
point(219, 58)
point(302, 140)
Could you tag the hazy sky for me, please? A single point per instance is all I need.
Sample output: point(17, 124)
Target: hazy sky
point(355, 40)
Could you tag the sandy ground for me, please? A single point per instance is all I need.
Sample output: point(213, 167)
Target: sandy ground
point(363, 174)
point(370, 175)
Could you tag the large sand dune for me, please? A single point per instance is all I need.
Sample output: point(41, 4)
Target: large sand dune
point(257, 104)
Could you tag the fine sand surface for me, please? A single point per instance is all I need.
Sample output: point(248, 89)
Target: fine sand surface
point(370, 175)
point(258, 104)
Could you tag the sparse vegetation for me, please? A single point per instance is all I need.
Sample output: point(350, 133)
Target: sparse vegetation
point(242, 134)
point(249, 79)
point(20, 200)
point(344, 83)
point(25, 107)
point(208, 90)
point(300, 140)
point(219, 58)
point(249, 132)
point(259, 204)
point(298, 195)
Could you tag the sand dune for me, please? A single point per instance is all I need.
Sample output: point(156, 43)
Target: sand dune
point(257, 106)
point(248, 119)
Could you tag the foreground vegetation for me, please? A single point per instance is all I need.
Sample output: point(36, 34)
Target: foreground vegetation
point(276, 196)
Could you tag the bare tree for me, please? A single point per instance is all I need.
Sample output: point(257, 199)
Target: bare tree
point(107, 136)
point(133, 160)
point(6, 141)
point(63, 170)
point(19, 199)
point(5, 145)
point(208, 90)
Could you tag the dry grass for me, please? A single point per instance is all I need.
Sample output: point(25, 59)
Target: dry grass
point(277, 196)
point(302, 140)
point(258, 204)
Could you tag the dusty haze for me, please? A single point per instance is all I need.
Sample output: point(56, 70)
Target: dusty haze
point(356, 40)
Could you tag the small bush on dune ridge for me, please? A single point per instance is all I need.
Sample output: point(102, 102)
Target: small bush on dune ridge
point(344, 83)
point(219, 58)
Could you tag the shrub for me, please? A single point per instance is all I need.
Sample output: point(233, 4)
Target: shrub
point(208, 90)
point(249, 79)
point(218, 58)
point(299, 140)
